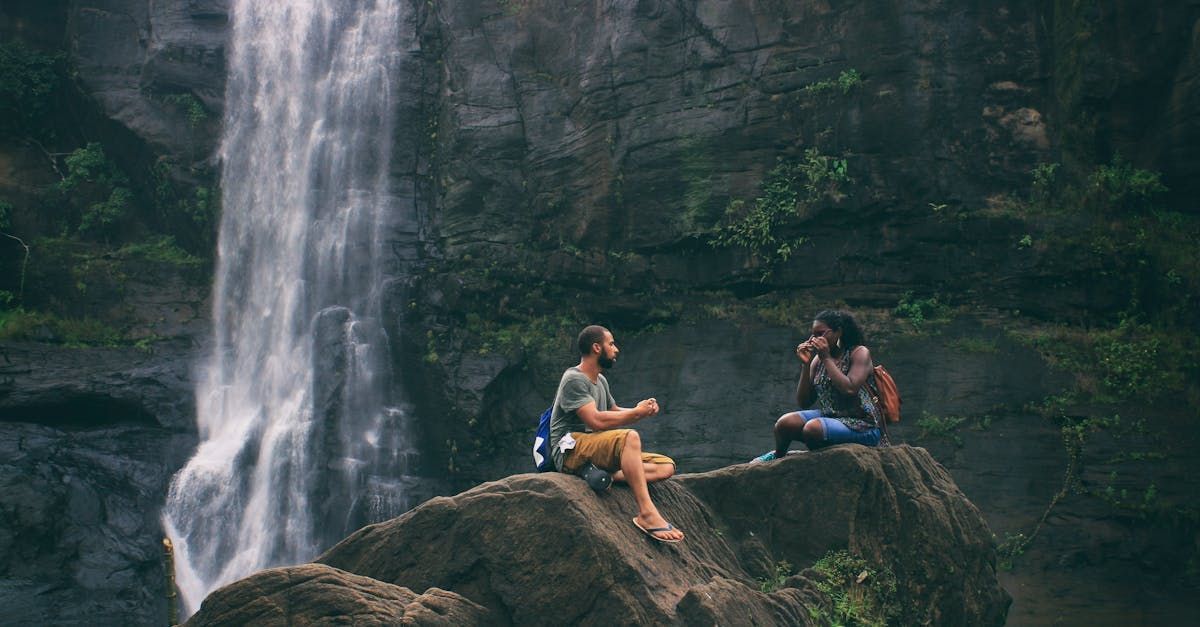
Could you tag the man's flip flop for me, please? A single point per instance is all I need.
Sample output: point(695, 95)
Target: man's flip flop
point(651, 532)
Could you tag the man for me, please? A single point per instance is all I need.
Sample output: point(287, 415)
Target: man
point(584, 428)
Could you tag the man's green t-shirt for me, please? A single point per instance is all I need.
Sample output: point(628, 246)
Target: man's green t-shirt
point(575, 390)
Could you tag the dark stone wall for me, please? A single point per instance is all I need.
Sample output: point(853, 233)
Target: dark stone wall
point(579, 158)
point(89, 439)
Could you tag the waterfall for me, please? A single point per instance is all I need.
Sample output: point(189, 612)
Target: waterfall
point(301, 437)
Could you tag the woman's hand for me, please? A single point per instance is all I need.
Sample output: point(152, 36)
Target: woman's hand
point(805, 352)
point(821, 345)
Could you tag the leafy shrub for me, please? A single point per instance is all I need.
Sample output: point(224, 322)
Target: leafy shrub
point(920, 311)
point(1133, 361)
point(783, 570)
point(191, 105)
point(191, 212)
point(1121, 187)
point(862, 594)
point(1012, 547)
point(787, 188)
point(28, 82)
point(844, 82)
point(91, 173)
point(102, 218)
point(89, 164)
point(934, 426)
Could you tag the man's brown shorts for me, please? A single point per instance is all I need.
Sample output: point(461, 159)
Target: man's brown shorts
point(603, 449)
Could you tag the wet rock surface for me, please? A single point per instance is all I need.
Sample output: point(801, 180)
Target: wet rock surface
point(89, 439)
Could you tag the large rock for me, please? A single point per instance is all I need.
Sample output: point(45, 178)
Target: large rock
point(314, 594)
point(544, 549)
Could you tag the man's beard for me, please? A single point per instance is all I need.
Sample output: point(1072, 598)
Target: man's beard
point(606, 362)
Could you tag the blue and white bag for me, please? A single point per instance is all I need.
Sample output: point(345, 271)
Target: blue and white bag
point(541, 443)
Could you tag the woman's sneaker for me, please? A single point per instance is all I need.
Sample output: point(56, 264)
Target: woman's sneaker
point(769, 456)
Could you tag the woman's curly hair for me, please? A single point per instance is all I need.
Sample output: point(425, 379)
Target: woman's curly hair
point(839, 320)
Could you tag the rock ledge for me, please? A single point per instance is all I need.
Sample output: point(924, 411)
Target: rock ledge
point(543, 549)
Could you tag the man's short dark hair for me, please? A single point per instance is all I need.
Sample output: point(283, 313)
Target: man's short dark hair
point(593, 334)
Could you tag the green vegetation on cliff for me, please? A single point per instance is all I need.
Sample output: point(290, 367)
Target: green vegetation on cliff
point(767, 227)
point(89, 169)
point(29, 85)
point(96, 219)
point(862, 593)
point(1132, 366)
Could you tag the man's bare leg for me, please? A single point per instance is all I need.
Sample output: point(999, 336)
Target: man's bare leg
point(654, 472)
point(633, 472)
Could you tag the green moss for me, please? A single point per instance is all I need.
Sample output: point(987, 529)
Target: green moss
point(977, 345)
point(696, 170)
point(512, 8)
point(19, 324)
point(160, 249)
point(541, 338)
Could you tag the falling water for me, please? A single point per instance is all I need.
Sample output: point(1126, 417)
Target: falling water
point(301, 440)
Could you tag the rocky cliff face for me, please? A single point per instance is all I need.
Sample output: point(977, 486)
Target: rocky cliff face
point(581, 162)
point(144, 63)
point(89, 439)
point(572, 164)
point(543, 549)
point(92, 429)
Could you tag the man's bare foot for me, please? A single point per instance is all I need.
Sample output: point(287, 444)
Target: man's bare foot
point(657, 527)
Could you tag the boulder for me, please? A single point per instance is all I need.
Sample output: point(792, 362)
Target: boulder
point(545, 549)
point(314, 594)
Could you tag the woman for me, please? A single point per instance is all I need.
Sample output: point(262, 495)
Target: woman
point(836, 374)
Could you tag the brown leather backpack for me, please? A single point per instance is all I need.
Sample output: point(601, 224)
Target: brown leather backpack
point(887, 394)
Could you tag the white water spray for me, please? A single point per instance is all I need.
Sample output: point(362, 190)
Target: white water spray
point(300, 442)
